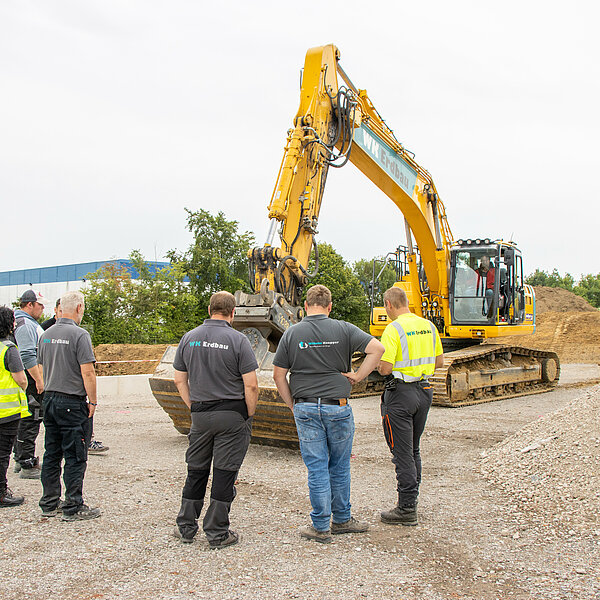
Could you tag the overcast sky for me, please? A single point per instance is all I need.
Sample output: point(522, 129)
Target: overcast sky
point(117, 114)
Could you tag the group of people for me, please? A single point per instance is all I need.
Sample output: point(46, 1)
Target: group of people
point(215, 374)
point(47, 373)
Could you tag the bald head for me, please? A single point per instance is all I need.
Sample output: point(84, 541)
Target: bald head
point(396, 297)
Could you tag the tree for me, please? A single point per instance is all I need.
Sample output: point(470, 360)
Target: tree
point(350, 302)
point(217, 259)
point(553, 279)
point(363, 269)
point(157, 307)
point(589, 288)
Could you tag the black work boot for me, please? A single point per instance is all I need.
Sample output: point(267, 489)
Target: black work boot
point(7, 498)
point(401, 515)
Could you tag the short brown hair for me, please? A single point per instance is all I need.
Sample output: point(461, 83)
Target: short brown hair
point(222, 303)
point(318, 295)
point(396, 297)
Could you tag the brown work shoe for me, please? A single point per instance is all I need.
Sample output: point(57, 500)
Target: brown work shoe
point(230, 539)
point(352, 525)
point(401, 515)
point(308, 532)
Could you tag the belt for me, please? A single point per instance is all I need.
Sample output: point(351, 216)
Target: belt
point(50, 393)
point(333, 401)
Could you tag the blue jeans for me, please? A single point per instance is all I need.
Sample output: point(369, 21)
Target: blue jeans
point(326, 433)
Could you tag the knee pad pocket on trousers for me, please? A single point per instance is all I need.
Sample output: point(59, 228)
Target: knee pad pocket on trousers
point(195, 484)
point(223, 485)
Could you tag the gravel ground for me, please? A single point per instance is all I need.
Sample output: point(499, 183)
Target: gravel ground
point(475, 540)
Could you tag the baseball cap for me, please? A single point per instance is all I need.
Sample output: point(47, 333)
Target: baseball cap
point(34, 296)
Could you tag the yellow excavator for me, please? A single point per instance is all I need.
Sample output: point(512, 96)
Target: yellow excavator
point(473, 290)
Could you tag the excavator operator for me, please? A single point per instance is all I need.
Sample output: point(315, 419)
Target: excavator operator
point(486, 271)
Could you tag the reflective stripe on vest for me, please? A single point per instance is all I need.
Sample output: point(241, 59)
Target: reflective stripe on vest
point(411, 362)
point(13, 400)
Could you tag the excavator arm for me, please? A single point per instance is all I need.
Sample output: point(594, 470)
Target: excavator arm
point(336, 123)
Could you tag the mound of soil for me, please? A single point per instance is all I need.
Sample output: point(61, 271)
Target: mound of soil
point(549, 299)
point(552, 467)
point(566, 324)
point(109, 357)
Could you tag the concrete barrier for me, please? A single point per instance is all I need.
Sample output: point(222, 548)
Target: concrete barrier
point(125, 385)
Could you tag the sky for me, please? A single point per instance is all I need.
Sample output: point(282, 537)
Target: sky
point(118, 114)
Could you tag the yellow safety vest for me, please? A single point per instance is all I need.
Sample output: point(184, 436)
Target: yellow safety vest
point(13, 400)
point(411, 345)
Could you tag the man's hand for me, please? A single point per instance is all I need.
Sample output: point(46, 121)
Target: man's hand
point(283, 387)
point(88, 375)
point(37, 374)
point(352, 377)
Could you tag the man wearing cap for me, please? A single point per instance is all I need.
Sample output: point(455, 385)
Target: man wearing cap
point(318, 354)
point(27, 334)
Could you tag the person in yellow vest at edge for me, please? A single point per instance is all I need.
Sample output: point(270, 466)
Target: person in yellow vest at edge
point(13, 400)
point(413, 350)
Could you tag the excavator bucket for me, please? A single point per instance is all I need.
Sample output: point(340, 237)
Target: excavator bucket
point(273, 423)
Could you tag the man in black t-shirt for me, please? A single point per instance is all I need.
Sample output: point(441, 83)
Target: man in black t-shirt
point(318, 354)
point(215, 373)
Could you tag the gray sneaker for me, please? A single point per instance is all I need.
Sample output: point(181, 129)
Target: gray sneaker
point(352, 525)
point(17, 467)
point(308, 532)
point(230, 539)
point(31, 472)
point(83, 513)
point(97, 447)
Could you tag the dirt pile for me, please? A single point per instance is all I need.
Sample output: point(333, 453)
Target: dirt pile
point(549, 299)
point(566, 324)
point(110, 358)
point(551, 467)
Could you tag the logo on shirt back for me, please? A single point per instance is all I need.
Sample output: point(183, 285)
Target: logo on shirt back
point(305, 345)
point(56, 341)
point(210, 345)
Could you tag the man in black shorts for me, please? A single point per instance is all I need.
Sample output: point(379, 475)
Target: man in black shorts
point(215, 373)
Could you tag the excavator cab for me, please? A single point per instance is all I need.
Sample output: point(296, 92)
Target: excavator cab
point(486, 285)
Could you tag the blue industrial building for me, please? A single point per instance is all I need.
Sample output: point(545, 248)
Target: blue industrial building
point(52, 282)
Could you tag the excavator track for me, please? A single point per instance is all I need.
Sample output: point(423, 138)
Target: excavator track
point(493, 372)
point(470, 376)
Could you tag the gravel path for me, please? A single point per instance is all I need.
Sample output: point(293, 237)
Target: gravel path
point(475, 540)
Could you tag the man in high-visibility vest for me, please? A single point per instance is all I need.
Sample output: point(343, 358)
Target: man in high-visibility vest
point(13, 401)
point(413, 350)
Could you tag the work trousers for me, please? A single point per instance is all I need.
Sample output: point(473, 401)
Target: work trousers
point(404, 413)
point(68, 435)
point(8, 435)
point(29, 427)
point(221, 438)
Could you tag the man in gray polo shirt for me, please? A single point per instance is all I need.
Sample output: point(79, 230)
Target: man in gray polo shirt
point(67, 359)
point(318, 354)
point(215, 373)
